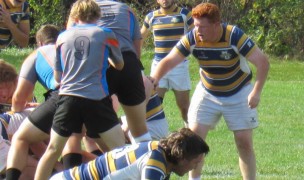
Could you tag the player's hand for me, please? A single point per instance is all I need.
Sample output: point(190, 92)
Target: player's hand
point(31, 105)
point(125, 129)
point(253, 99)
point(153, 81)
point(5, 17)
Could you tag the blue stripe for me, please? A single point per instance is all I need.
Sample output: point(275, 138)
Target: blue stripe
point(44, 72)
point(159, 116)
point(233, 91)
point(169, 32)
point(132, 24)
point(224, 82)
point(159, 56)
point(165, 44)
point(104, 70)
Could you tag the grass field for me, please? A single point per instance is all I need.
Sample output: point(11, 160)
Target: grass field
point(279, 140)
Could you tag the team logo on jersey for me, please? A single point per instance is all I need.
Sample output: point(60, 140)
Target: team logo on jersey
point(157, 21)
point(225, 55)
point(200, 54)
point(175, 20)
point(253, 120)
point(249, 44)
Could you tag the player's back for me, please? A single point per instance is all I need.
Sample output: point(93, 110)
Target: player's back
point(120, 163)
point(84, 60)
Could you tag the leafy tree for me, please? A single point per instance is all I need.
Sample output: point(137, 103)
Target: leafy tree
point(276, 25)
point(46, 12)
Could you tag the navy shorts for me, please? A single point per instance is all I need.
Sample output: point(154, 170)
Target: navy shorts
point(42, 117)
point(127, 84)
point(73, 112)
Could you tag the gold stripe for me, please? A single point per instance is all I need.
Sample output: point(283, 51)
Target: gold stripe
point(162, 50)
point(190, 27)
point(168, 26)
point(153, 111)
point(224, 88)
point(132, 156)
point(185, 42)
point(153, 162)
point(168, 38)
point(4, 36)
point(154, 145)
point(111, 162)
point(93, 170)
point(75, 173)
point(4, 123)
point(227, 63)
point(241, 41)
point(202, 44)
point(228, 33)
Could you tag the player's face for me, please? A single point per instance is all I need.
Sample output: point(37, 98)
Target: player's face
point(165, 4)
point(205, 30)
point(185, 166)
point(17, 3)
point(6, 91)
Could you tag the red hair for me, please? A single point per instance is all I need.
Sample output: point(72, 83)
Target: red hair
point(207, 10)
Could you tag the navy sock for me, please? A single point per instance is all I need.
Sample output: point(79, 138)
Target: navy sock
point(97, 152)
point(13, 174)
point(71, 160)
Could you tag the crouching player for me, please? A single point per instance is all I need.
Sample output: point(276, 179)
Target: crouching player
point(180, 152)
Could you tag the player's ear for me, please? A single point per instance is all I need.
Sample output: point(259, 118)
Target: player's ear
point(39, 43)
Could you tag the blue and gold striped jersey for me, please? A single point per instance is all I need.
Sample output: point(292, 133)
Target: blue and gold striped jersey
point(139, 161)
point(4, 122)
point(18, 14)
point(168, 28)
point(154, 108)
point(224, 69)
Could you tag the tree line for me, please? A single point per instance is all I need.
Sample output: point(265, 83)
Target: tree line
point(277, 26)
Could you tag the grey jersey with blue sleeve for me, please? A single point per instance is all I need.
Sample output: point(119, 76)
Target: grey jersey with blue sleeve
point(82, 57)
point(121, 19)
point(39, 67)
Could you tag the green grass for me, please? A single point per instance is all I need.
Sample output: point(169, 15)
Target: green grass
point(279, 139)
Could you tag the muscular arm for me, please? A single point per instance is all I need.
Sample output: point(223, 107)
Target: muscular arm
point(166, 64)
point(24, 89)
point(260, 61)
point(144, 33)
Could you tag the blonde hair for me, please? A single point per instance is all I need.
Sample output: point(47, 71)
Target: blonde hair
point(85, 10)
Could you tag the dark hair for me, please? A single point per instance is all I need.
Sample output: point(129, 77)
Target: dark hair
point(207, 10)
point(183, 144)
point(8, 72)
point(47, 34)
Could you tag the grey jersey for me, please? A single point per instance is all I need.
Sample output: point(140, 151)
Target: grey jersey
point(121, 19)
point(39, 67)
point(82, 57)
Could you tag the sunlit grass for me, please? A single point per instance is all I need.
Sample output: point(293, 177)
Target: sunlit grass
point(279, 139)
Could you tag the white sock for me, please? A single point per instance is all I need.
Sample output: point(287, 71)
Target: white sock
point(198, 178)
point(144, 137)
point(186, 125)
